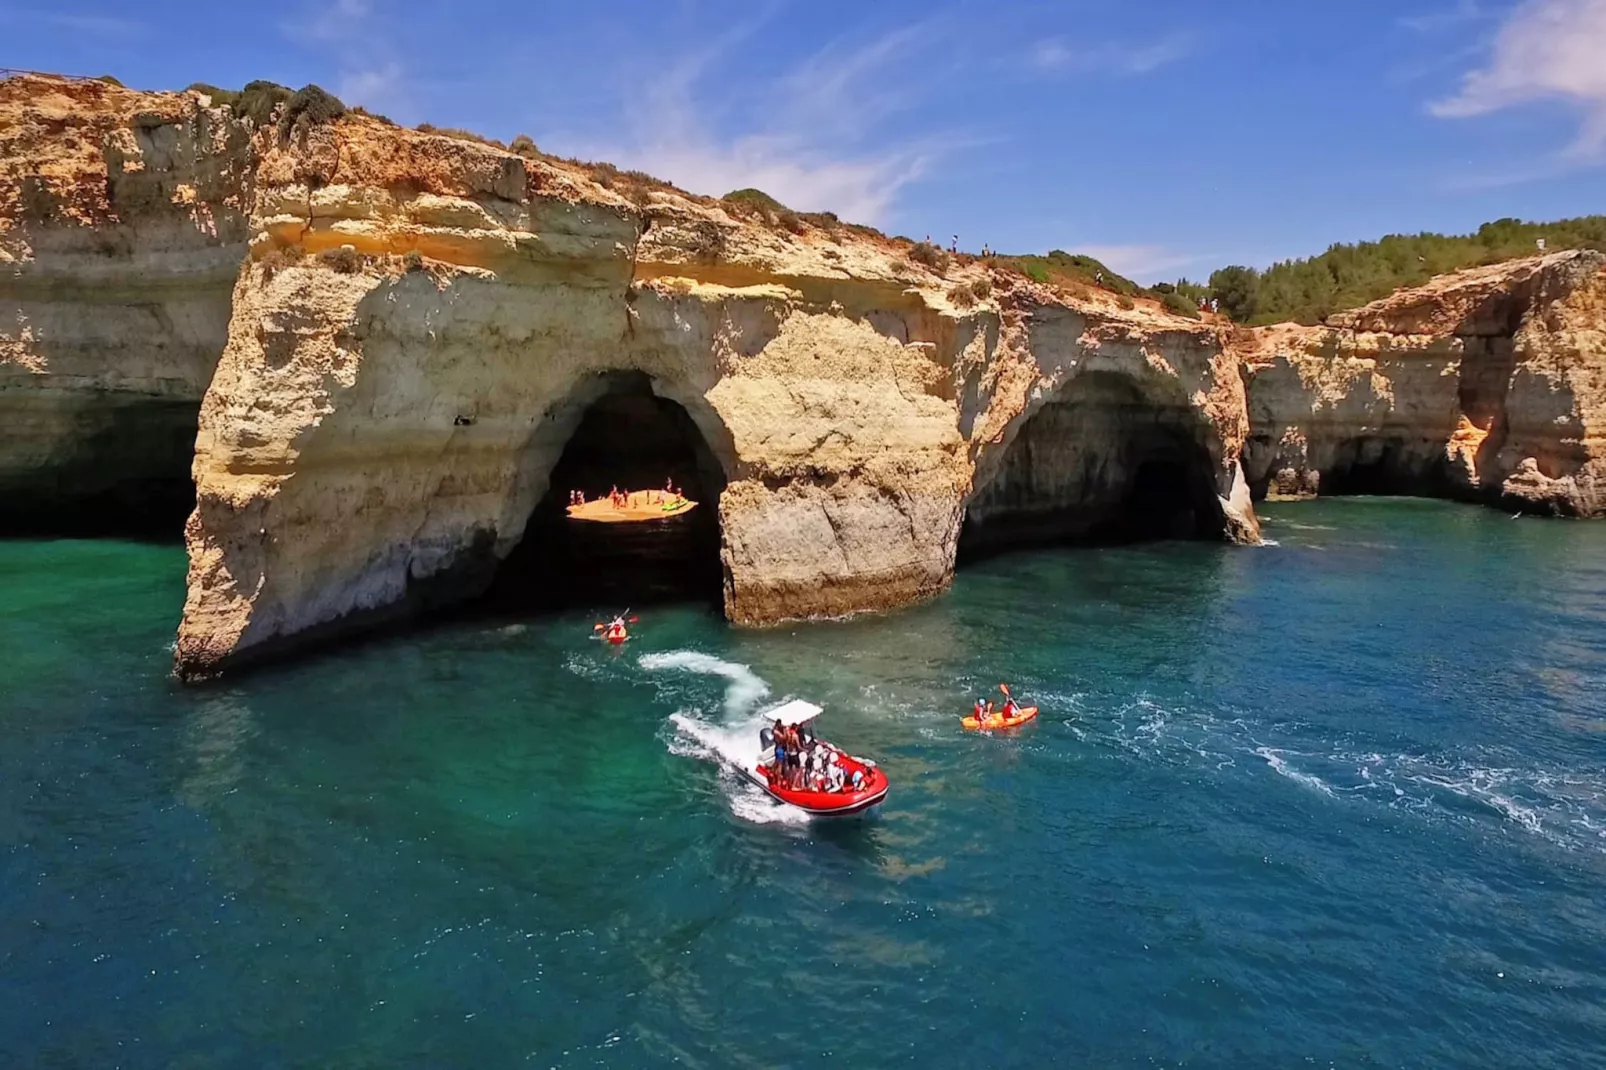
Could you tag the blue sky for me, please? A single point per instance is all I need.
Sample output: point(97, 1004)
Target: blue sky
point(1164, 137)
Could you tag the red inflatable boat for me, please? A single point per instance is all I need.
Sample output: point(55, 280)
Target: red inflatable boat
point(872, 788)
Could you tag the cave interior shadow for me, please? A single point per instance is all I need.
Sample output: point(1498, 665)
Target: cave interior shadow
point(1102, 467)
point(629, 438)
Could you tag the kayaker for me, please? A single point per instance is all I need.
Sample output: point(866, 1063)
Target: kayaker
point(980, 712)
point(1010, 709)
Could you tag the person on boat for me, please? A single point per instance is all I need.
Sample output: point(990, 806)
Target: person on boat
point(980, 712)
point(835, 776)
point(773, 740)
point(1010, 708)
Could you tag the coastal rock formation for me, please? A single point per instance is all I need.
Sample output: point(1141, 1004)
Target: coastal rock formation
point(122, 230)
point(1486, 385)
point(411, 346)
point(424, 322)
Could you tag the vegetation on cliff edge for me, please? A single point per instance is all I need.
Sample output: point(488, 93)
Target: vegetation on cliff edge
point(1348, 276)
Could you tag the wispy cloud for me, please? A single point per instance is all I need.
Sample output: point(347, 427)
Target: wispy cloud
point(1546, 50)
point(1461, 14)
point(107, 26)
point(817, 138)
point(1145, 263)
point(368, 71)
point(1055, 55)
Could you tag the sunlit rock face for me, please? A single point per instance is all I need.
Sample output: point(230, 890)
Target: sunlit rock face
point(122, 230)
point(405, 347)
point(1487, 385)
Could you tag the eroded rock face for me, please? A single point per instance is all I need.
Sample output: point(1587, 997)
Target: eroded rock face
point(412, 328)
point(381, 426)
point(122, 230)
point(1485, 385)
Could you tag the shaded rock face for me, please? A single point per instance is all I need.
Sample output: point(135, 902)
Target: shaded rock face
point(1100, 462)
point(1483, 386)
point(121, 234)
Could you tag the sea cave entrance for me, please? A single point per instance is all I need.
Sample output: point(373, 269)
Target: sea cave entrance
point(624, 435)
point(1102, 462)
point(123, 471)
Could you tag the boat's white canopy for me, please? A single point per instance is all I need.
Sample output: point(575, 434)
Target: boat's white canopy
point(795, 712)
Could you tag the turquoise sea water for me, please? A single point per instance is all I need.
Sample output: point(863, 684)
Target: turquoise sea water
point(1336, 802)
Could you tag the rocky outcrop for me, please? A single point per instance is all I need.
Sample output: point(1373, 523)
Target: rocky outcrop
point(402, 337)
point(122, 230)
point(423, 322)
point(1487, 385)
point(398, 335)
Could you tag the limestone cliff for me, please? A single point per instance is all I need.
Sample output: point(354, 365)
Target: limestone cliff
point(122, 229)
point(423, 322)
point(411, 346)
point(420, 327)
point(1486, 385)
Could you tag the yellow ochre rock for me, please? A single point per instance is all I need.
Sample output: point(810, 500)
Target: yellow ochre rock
point(391, 336)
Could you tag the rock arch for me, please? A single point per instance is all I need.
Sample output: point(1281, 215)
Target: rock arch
point(617, 428)
point(1107, 457)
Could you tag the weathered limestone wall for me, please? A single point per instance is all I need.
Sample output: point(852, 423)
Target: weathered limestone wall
point(121, 233)
point(412, 326)
point(380, 426)
point(1485, 385)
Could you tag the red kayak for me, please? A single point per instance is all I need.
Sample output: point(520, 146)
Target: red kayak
point(872, 788)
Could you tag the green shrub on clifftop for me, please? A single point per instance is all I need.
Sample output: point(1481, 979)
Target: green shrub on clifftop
point(258, 99)
point(310, 106)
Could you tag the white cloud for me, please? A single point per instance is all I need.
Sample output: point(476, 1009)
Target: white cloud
point(1463, 13)
point(367, 71)
point(1055, 54)
point(819, 141)
point(377, 89)
point(1145, 263)
point(108, 26)
point(1546, 50)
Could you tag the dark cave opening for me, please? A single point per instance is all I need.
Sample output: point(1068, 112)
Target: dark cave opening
point(127, 475)
point(1101, 465)
point(632, 439)
point(1379, 466)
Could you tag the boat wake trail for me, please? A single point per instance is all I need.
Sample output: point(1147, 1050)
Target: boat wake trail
point(732, 738)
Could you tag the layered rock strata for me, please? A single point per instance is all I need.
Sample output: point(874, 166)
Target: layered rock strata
point(122, 230)
point(1487, 385)
point(398, 334)
point(423, 321)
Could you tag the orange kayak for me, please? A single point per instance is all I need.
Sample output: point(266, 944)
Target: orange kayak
point(988, 724)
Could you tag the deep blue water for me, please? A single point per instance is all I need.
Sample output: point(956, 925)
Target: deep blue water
point(1336, 802)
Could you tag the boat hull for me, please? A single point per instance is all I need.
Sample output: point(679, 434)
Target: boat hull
point(824, 804)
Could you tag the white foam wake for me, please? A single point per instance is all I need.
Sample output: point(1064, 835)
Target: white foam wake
point(732, 740)
point(1281, 768)
point(744, 691)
